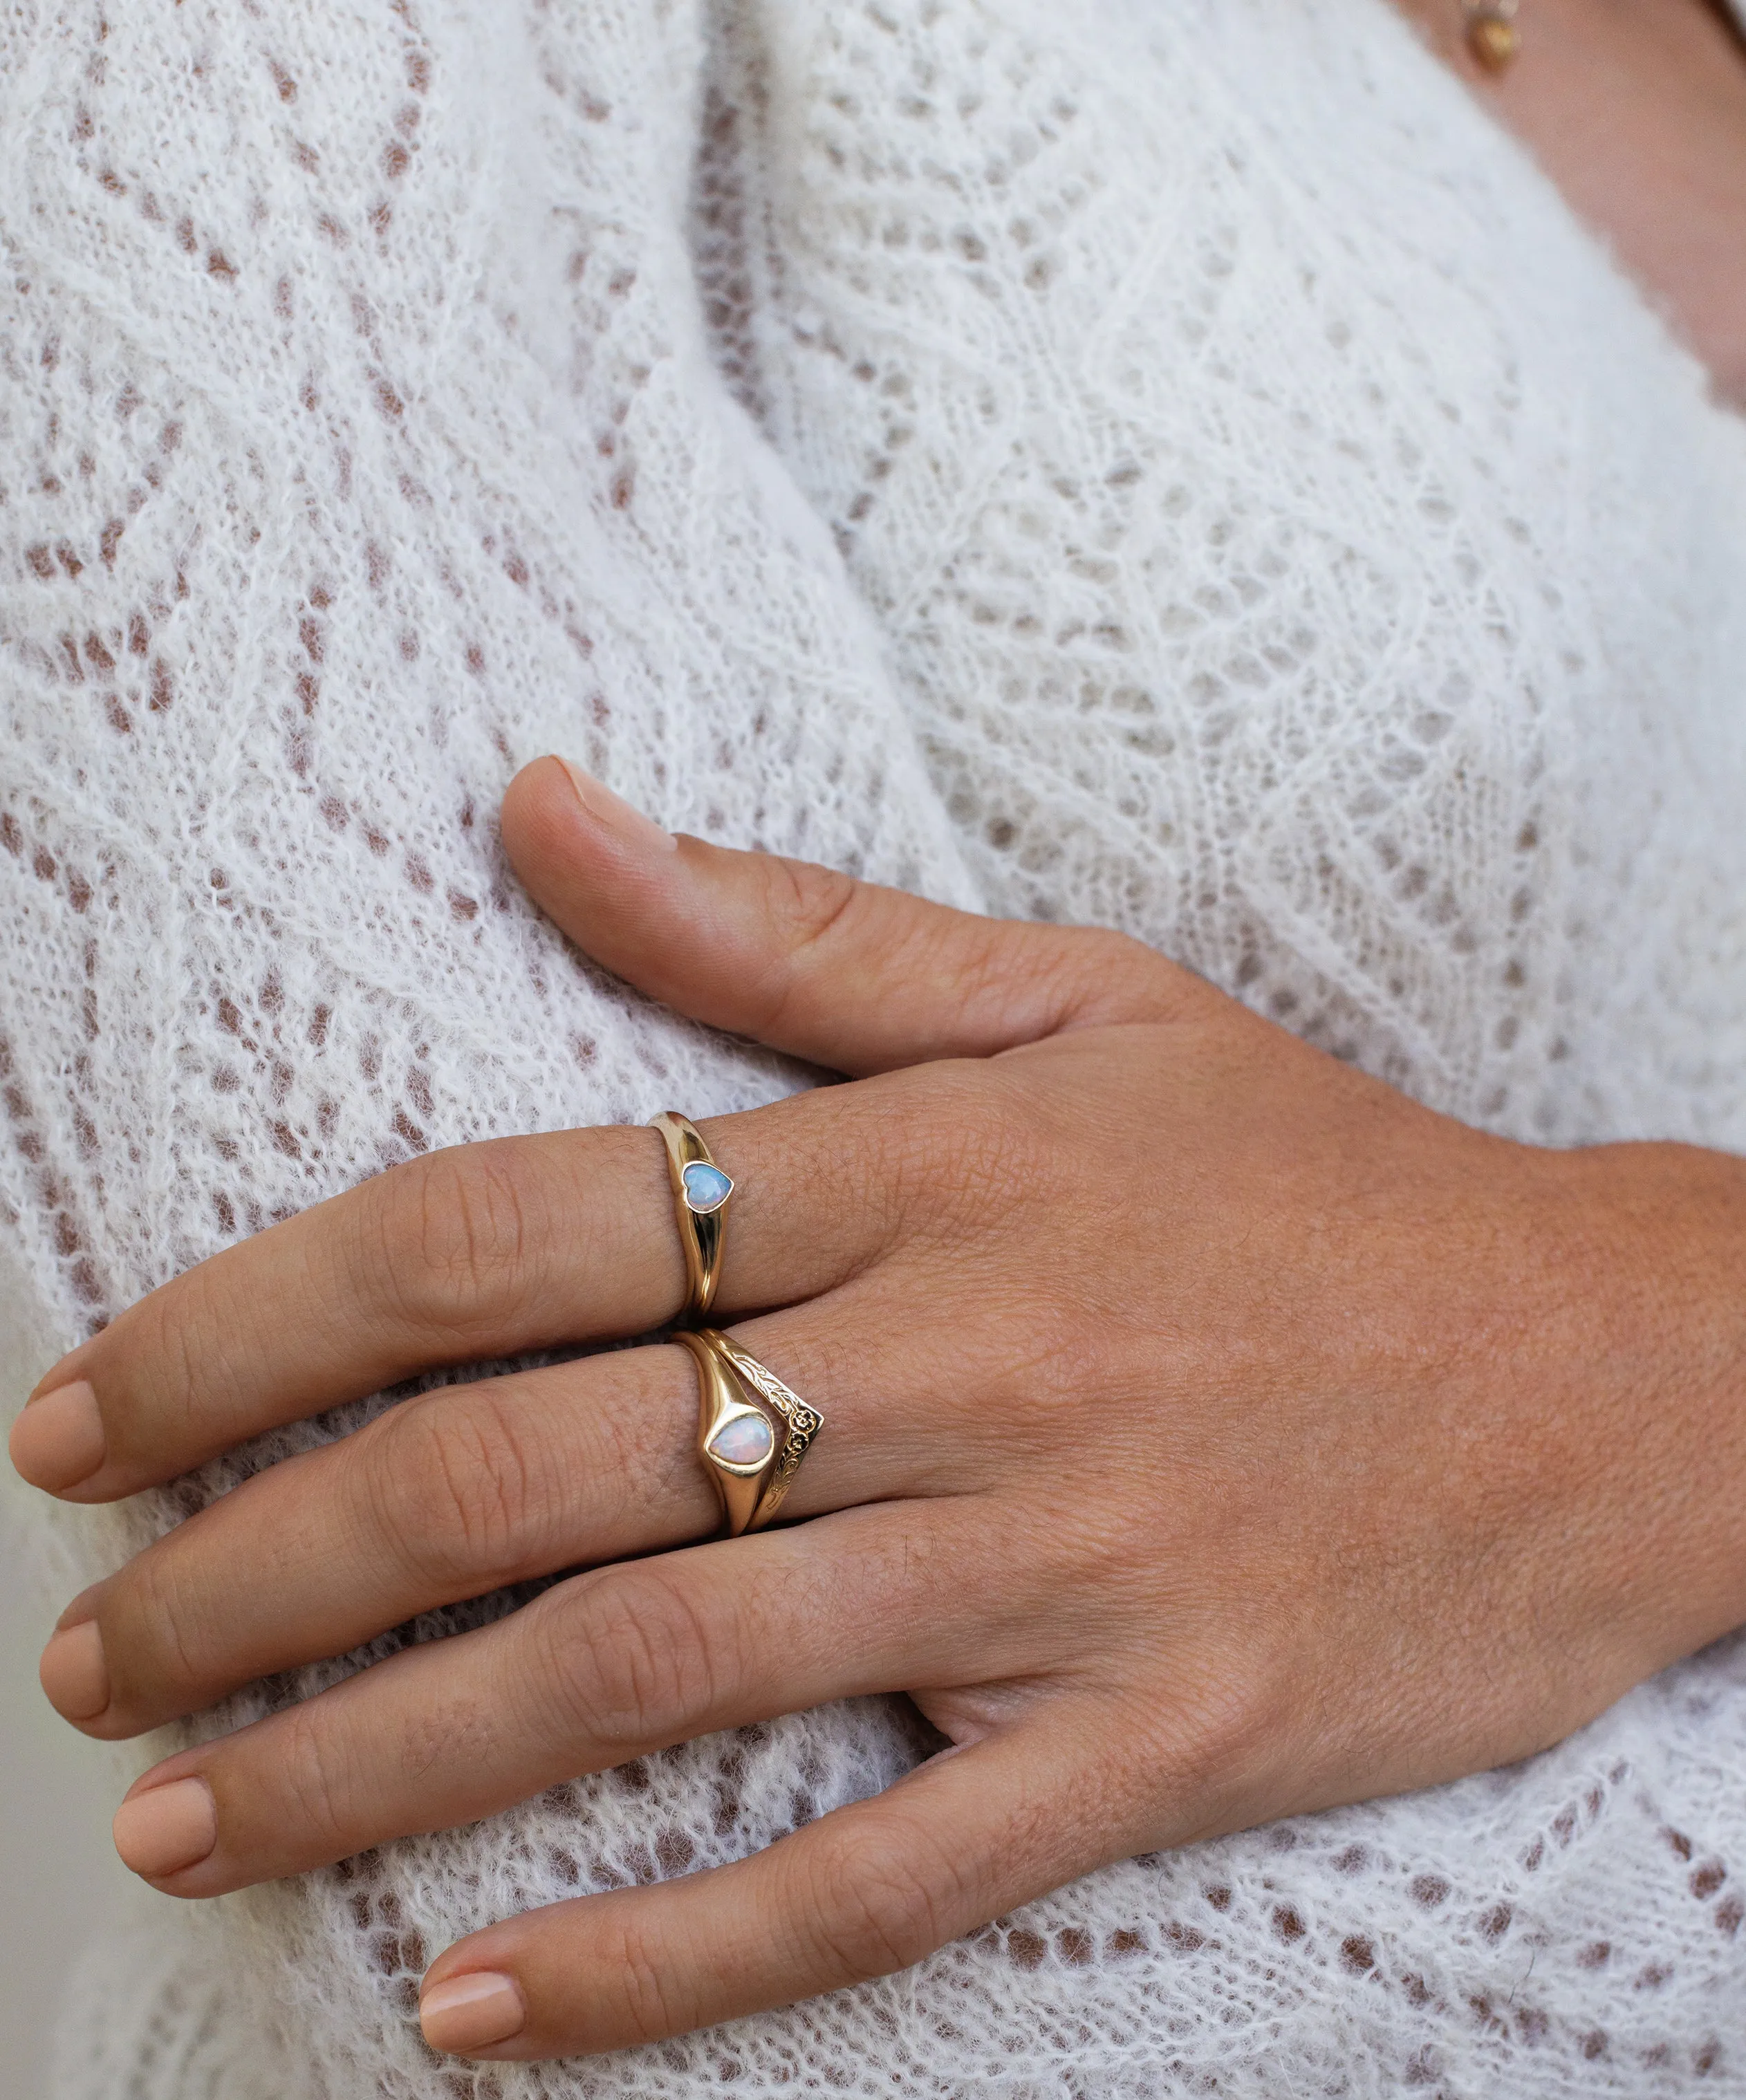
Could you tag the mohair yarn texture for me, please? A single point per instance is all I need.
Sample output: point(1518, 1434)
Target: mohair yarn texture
point(1171, 466)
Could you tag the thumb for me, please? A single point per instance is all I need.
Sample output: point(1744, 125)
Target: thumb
point(844, 973)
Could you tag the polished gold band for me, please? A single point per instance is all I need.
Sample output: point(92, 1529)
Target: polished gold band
point(701, 1191)
point(752, 1432)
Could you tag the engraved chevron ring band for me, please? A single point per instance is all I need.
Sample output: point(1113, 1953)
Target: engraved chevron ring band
point(752, 1432)
point(700, 1199)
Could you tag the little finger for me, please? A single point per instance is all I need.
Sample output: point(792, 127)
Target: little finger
point(866, 1890)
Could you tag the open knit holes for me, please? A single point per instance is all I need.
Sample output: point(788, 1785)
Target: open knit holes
point(58, 1129)
point(722, 232)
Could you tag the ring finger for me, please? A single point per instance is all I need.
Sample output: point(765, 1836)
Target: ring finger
point(604, 1667)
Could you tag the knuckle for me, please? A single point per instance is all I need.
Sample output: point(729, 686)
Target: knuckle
point(807, 903)
point(152, 1650)
point(878, 1906)
point(1098, 975)
point(632, 1663)
point(1104, 955)
point(450, 1485)
point(310, 1776)
point(165, 1359)
point(453, 1234)
point(1056, 976)
point(641, 1979)
point(974, 1152)
point(806, 907)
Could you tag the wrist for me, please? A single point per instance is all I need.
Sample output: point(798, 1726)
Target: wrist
point(1653, 1258)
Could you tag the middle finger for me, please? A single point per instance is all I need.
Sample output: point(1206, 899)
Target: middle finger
point(472, 1487)
point(481, 1251)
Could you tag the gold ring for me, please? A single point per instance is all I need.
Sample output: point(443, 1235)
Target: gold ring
point(701, 1191)
point(752, 1432)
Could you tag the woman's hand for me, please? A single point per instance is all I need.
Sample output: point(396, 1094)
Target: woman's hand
point(1210, 1433)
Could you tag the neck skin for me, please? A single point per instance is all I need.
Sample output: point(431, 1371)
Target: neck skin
point(1637, 110)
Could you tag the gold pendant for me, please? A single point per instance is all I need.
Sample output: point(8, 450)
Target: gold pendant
point(1492, 35)
point(1494, 41)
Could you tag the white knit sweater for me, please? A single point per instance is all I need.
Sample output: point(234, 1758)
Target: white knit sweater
point(1169, 463)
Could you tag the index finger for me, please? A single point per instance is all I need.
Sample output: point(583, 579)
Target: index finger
point(486, 1250)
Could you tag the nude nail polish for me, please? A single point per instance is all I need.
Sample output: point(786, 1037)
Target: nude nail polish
point(58, 1441)
point(75, 1674)
point(471, 2012)
point(167, 1828)
point(614, 814)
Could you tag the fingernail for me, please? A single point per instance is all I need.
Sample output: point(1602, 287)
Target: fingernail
point(471, 2012)
point(74, 1673)
point(169, 1828)
point(58, 1440)
point(616, 814)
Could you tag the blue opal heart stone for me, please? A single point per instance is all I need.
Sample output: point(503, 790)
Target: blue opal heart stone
point(743, 1440)
point(706, 1188)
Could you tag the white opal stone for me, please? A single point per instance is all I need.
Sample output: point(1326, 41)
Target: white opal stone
point(707, 1187)
point(746, 1440)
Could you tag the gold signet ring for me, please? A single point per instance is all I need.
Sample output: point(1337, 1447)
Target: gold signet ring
point(701, 1192)
point(752, 1432)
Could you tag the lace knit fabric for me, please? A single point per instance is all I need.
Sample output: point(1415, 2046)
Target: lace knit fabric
point(1172, 465)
